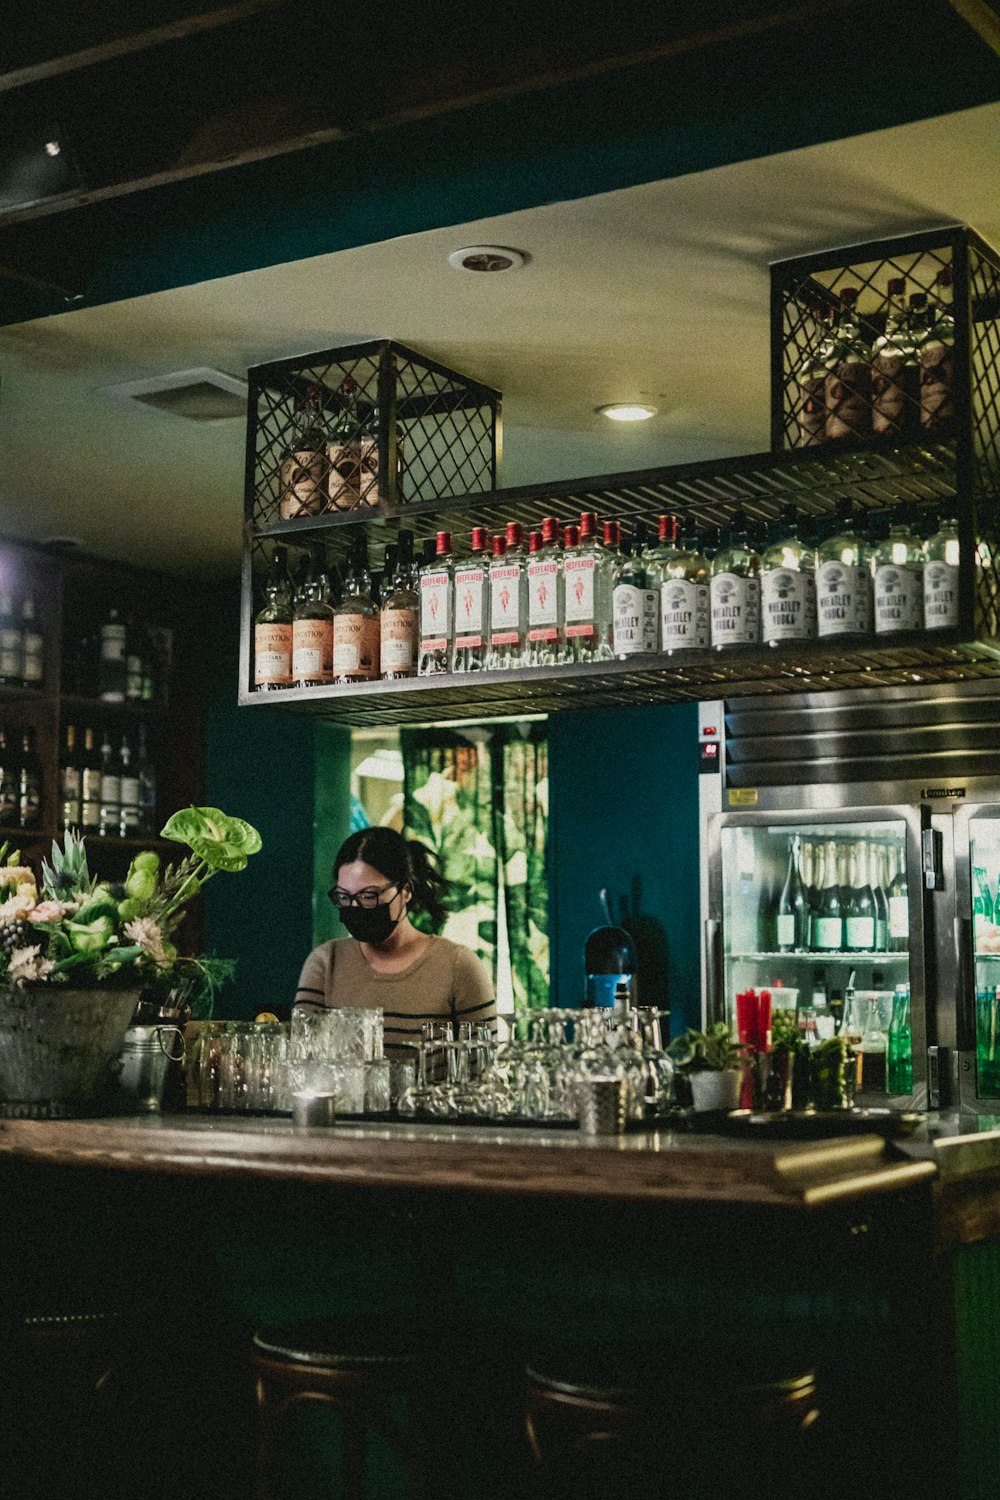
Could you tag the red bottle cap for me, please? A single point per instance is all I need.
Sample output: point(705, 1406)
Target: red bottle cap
point(571, 536)
point(443, 543)
point(588, 525)
point(612, 534)
point(550, 531)
point(499, 546)
point(480, 539)
point(668, 528)
point(534, 541)
point(515, 534)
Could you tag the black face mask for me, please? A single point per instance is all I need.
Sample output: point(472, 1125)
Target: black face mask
point(370, 926)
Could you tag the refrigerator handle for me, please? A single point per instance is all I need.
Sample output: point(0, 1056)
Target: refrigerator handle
point(713, 970)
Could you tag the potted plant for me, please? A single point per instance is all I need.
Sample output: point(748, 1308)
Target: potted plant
point(713, 1064)
point(76, 952)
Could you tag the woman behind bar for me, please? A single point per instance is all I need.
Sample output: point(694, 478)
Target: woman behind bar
point(386, 962)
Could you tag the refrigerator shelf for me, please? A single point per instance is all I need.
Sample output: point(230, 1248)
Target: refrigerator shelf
point(854, 956)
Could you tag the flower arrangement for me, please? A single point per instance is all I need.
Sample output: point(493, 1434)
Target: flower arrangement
point(78, 930)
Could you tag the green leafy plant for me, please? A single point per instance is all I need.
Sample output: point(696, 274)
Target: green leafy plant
point(695, 1051)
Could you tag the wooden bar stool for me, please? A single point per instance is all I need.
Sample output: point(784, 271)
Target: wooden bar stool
point(372, 1374)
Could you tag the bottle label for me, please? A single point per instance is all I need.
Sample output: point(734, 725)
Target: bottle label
point(635, 619)
point(272, 654)
point(788, 605)
point(356, 640)
point(470, 586)
point(735, 610)
point(893, 392)
point(543, 584)
point(937, 372)
point(684, 615)
point(33, 666)
point(828, 933)
point(578, 582)
point(111, 788)
point(435, 610)
point(899, 917)
point(786, 929)
point(843, 599)
point(505, 604)
point(354, 473)
point(112, 643)
point(10, 653)
point(812, 411)
point(899, 598)
point(311, 650)
point(303, 475)
point(71, 782)
point(399, 640)
point(860, 933)
point(130, 791)
point(940, 596)
point(848, 408)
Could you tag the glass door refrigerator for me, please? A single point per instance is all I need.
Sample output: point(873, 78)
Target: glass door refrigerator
point(971, 959)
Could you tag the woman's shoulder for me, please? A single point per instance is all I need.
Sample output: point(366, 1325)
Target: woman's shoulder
point(334, 950)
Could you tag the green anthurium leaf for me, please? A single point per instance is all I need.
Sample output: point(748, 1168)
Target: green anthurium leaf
point(222, 841)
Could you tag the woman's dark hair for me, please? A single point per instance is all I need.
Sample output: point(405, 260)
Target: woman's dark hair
point(404, 862)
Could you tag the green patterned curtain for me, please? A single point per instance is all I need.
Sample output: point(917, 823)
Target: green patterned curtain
point(479, 799)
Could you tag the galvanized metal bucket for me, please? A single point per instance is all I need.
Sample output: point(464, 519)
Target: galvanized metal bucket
point(145, 1053)
point(59, 1047)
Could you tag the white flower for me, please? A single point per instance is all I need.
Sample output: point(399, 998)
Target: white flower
point(27, 964)
point(18, 906)
point(146, 934)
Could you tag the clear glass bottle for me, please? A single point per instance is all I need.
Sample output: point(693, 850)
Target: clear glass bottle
point(735, 589)
point(399, 616)
point(546, 622)
point(11, 643)
point(844, 580)
point(684, 575)
point(810, 380)
point(848, 387)
point(941, 558)
point(472, 605)
point(32, 645)
point(634, 600)
point(667, 531)
point(508, 607)
point(895, 377)
point(352, 452)
point(272, 631)
point(312, 632)
point(356, 623)
point(129, 816)
point(437, 610)
point(937, 356)
point(899, 575)
point(302, 474)
point(787, 583)
point(111, 788)
point(587, 593)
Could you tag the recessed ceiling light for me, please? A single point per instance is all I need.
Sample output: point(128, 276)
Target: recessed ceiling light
point(621, 411)
point(487, 258)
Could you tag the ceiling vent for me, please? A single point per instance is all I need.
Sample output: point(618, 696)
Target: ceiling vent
point(201, 395)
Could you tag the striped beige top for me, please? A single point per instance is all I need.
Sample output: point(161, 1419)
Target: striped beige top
point(447, 980)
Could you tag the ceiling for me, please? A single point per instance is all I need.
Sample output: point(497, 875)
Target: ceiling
point(658, 292)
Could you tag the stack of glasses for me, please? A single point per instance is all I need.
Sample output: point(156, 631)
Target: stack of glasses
point(339, 1052)
point(239, 1067)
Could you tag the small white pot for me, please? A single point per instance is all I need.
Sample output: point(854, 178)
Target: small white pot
point(716, 1089)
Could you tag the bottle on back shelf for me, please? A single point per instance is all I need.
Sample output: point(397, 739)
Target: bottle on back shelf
point(304, 464)
point(111, 788)
point(11, 643)
point(859, 909)
point(133, 660)
point(895, 377)
point(272, 631)
point(356, 629)
point(898, 901)
point(32, 645)
point(70, 782)
point(787, 583)
point(312, 632)
point(29, 797)
point(145, 773)
point(90, 784)
point(793, 906)
point(899, 1056)
point(129, 817)
point(876, 870)
point(112, 667)
point(899, 575)
point(399, 614)
point(634, 601)
point(353, 452)
point(735, 589)
point(9, 782)
point(508, 608)
point(545, 598)
point(844, 579)
point(848, 381)
point(587, 584)
point(437, 610)
point(828, 929)
point(937, 356)
point(810, 379)
point(472, 606)
point(941, 555)
point(683, 576)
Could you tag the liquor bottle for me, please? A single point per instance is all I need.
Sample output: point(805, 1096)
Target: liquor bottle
point(810, 378)
point(90, 785)
point(587, 582)
point(684, 575)
point(312, 632)
point(111, 669)
point(844, 580)
point(399, 612)
point(70, 782)
point(9, 783)
point(872, 1050)
point(304, 464)
point(899, 1055)
point(941, 555)
point(272, 631)
point(848, 381)
point(895, 378)
point(735, 589)
point(29, 794)
point(145, 773)
point(828, 929)
point(133, 660)
point(545, 598)
point(507, 609)
point(787, 584)
point(793, 906)
point(437, 611)
point(352, 452)
point(937, 356)
point(32, 646)
point(11, 643)
point(899, 906)
point(111, 788)
point(472, 606)
point(899, 575)
point(356, 630)
point(129, 812)
point(807, 871)
point(859, 912)
point(154, 665)
point(634, 603)
point(382, 580)
point(876, 866)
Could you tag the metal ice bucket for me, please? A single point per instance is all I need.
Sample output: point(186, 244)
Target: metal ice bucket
point(145, 1053)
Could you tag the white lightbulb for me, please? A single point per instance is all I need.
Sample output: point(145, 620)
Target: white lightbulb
point(621, 411)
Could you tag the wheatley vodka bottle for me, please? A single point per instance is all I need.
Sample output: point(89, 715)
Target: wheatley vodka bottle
point(844, 580)
point(788, 584)
point(899, 575)
point(683, 575)
point(735, 589)
point(941, 553)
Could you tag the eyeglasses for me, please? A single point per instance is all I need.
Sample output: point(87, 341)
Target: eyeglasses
point(367, 898)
